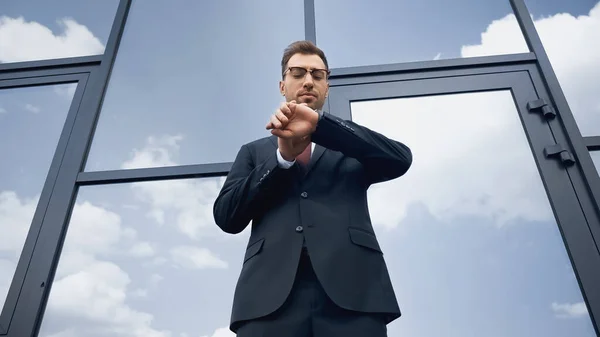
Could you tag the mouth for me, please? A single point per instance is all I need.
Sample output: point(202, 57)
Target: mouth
point(308, 94)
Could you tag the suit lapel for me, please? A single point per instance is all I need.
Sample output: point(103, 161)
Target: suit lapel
point(317, 153)
point(314, 158)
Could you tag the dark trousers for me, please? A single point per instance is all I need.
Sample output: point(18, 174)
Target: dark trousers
point(309, 312)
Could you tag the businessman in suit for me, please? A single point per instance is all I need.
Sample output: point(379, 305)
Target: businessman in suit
point(313, 265)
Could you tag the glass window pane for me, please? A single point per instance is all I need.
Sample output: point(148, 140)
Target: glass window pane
point(210, 86)
point(469, 235)
point(145, 259)
point(31, 120)
point(596, 159)
point(359, 33)
point(568, 30)
point(38, 29)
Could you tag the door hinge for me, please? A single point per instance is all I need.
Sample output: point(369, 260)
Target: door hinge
point(559, 151)
point(541, 106)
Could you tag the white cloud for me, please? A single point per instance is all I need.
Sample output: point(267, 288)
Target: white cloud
point(568, 41)
point(65, 333)
point(196, 258)
point(155, 279)
point(15, 220)
point(22, 40)
point(570, 310)
point(97, 293)
point(88, 289)
point(142, 249)
point(32, 108)
point(140, 293)
point(222, 332)
point(7, 270)
point(465, 162)
point(190, 202)
point(502, 36)
point(105, 226)
point(66, 90)
point(2, 110)
point(157, 152)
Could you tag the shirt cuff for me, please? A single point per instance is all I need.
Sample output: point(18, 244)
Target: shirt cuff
point(284, 164)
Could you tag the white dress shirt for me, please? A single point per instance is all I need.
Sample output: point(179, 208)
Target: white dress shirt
point(284, 164)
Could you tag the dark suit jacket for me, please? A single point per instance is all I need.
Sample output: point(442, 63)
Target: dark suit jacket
point(325, 205)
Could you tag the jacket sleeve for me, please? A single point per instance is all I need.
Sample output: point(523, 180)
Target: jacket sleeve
point(248, 190)
point(383, 158)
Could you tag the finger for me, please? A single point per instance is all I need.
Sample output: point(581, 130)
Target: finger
point(291, 106)
point(285, 109)
point(285, 134)
point(275, 122)
point(282, 118)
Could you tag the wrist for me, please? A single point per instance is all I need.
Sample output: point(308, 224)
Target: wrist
point(286, 156)
point(315, 118)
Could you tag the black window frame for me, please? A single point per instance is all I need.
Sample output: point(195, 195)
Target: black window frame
point(39, 260)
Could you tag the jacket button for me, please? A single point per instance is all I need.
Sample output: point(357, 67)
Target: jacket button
point(304, 195)
point(299, 229)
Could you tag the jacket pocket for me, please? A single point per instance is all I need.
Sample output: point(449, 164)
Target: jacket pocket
point(253, 249)
point(363, 238)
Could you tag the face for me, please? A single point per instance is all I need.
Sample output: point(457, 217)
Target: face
point(305, 88)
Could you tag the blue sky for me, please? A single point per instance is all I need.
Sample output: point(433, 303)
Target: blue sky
point(475, 262)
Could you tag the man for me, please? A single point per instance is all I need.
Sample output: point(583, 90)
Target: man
point(313, 265)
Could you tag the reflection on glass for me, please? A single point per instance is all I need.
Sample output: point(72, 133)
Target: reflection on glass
point(567, 30)
point(596, 159)
point(358, 33)
point(203, 93)
point(469, 235)
point(31, 120)
point(145, 259)
point(39, 29)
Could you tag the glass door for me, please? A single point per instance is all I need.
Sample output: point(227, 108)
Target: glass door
point(484, 235)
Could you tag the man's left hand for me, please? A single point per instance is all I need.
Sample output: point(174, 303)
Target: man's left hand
point(302, 121)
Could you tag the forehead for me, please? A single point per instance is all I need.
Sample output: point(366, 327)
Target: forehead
point(309, 61)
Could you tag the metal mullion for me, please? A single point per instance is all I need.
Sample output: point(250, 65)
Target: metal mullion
point(153, 173)
point(70, 62)
point(592, 143)
point(40, 81)
point(310, 30)
point(421, 66)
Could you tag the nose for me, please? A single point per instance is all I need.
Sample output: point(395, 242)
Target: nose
point(308, 81)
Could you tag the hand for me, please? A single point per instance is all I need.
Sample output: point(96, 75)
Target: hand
point(278, 119)
point(293, 120)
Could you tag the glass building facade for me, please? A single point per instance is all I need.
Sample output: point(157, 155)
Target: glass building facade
point(119, 120)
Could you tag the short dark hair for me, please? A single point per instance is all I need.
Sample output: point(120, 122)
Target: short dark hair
point(301, 47)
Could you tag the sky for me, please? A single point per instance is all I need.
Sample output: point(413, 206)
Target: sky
point(146, 259)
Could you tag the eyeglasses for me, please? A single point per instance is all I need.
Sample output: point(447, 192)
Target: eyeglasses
point(300, 72)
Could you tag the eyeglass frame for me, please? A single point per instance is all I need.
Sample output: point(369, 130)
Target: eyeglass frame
point(308, 70)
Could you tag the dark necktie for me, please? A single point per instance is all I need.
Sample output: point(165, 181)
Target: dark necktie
point(304, 157)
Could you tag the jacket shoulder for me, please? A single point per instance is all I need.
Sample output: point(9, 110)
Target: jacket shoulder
point(262, 143)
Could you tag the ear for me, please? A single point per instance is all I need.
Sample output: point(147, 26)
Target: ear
point(327, 89)
point(282, 88)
